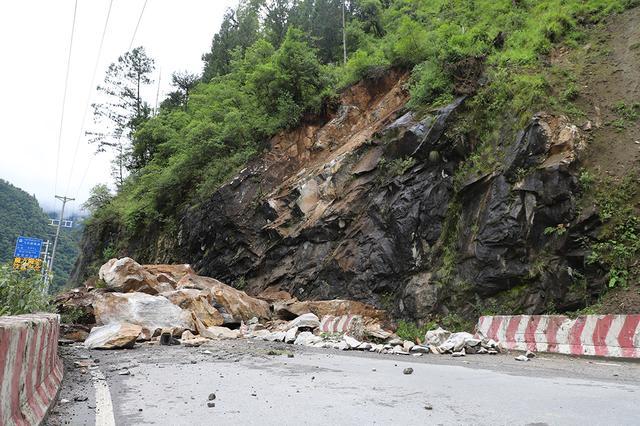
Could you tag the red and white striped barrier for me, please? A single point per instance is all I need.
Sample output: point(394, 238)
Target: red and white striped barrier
point(30, 369)
point(340, 324)
point(599, 335)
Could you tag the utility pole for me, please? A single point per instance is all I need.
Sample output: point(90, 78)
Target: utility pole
point(55, 241)
point(344, 35)
point(155, 110)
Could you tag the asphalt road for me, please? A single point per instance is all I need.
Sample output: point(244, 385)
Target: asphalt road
point(258, 383)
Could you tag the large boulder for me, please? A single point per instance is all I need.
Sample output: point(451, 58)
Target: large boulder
point(170, 274)
point(126, 275)
point(216, 332)
point(113, 336)
point(198, 302)
point(293, 308)
point(237, 304)
point(152, 313)
point(304, 321)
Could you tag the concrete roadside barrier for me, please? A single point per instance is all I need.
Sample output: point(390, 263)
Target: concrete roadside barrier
point(597, 335)
point(30, 369)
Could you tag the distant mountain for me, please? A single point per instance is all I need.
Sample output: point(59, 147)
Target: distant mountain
point(20, 214)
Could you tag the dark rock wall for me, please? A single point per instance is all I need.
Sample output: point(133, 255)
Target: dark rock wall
point(384, 223)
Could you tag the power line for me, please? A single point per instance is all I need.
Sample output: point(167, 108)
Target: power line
point(133, 37)
point(87, 105)
point(135, 31)
point(64, 96)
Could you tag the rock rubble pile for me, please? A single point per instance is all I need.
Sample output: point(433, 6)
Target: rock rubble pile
point(171, 304)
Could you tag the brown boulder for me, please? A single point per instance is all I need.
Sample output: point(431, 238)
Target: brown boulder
point(273, 294)
point(293, 308)
point(237, 304)
point(170, 274)
point(126, 275)
point(198, 302)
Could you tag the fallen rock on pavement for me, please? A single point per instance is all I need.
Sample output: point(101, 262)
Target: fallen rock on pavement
point(189, 340)
point(308, 321)
point(113, 336)
point(126, 275)
point(238, 304)
point(215, 332)
point(522, 358)
point(306, 338)
point(152, 313)
point(198, 302)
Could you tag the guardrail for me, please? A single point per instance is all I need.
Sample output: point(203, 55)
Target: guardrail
point(597, 335)
point(30, 369)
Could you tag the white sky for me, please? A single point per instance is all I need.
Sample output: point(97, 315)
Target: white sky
point(34, 41)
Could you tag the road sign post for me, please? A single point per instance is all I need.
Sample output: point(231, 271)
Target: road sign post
point(27, 254)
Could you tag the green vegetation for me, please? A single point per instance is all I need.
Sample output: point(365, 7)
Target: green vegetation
point(21, 292)
point(618, 247)
point(411, 331)
point(20, 214)
point(626, 113)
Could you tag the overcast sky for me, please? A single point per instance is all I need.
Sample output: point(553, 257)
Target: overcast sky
point(34, 41)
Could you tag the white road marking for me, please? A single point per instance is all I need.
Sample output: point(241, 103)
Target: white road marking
point(104, 407)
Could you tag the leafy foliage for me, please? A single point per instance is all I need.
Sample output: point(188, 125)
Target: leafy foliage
point(618, 246)
point(21, 293)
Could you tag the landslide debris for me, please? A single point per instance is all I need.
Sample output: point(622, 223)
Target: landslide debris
point(200, 309)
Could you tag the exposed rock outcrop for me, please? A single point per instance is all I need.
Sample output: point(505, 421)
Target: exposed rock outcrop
point(381, 206)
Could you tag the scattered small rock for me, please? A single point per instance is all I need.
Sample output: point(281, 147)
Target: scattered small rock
point(407, 370)
point(193, 361)
point(459, 353)
point(521, 358)
point(80, 398)
point(289, 355)
point(428, 407)
point(124, 373)
point(530, 354)
point(212, 396)
point(211, 404)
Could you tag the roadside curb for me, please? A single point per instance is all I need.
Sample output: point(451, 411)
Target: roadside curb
point(608, 336)
point(30, 369)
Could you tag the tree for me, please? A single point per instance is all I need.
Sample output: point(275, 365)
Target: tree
point(276, 20)
point(123, 110)
point(99, 196)
point(184, 82)
point(240, 29)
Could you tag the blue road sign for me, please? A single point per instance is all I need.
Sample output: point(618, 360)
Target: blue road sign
point(28, 248)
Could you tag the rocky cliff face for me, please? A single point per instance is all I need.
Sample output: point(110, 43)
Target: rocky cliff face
point(371, 204)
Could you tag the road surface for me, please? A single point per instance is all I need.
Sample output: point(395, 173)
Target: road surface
point(259, 383)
